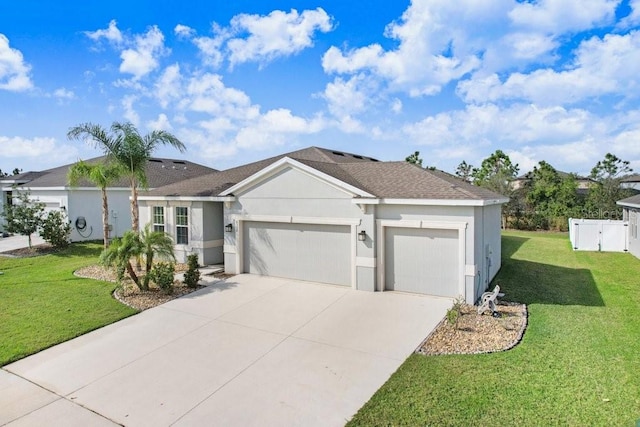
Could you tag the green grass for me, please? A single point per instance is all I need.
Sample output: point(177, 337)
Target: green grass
point(42, 303)
point(578, 364)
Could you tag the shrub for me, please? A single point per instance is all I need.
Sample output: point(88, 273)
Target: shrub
point(56, 229)
point(162, 275)
point(454, 313)
point(192, 275)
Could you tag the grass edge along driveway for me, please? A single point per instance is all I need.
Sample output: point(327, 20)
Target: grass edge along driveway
point(42, 303)
point(578, 364)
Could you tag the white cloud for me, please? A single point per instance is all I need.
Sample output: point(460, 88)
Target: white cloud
point(129, 112)
point(14, 71)
point(207, 93)
point(572, 140)
point(274, 35)
point(161, 123)
point(34, 153)
point(259, 38)
point(168, 85)
point(560, 16)
point(142, 58)
point(275, 127)
point(347, 97)
point(111, 33)
point(607, 66)
point(633, 19)
point(434, 45)
point(25, 147)
point(63, 93)
point(183, 31)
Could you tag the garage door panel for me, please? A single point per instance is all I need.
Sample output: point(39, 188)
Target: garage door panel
point(312, 252)
point(422, 260)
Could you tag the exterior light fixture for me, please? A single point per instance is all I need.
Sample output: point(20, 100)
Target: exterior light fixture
point(228, 228)
point(362, 236)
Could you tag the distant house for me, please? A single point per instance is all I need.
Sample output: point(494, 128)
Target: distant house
point(83, 204)
point(345, 219)
point(631, 213)
point(583, 182)
point(631, 181)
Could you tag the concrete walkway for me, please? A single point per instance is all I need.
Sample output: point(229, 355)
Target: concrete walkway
point(18, 242)
point(248, 351)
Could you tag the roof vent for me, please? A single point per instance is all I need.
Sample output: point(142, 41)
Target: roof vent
point(356, 156)
point(373, 160)
point(155, 160)
point(337, 153)
point(178, 162)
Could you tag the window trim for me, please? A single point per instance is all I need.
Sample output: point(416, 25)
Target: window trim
point(158, 225)
point(182, 226)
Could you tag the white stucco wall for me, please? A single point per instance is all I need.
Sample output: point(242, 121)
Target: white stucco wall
point(205, 228)
point(633, 216)
point(88, 204)
point(292, 195)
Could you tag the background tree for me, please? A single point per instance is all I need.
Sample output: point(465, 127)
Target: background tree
point(125, 146)
point(606, 191)
point(551, 197)
point(414, 159)
point(101, 175)
point(15, 171)
point(464, 171)
point(25, 216)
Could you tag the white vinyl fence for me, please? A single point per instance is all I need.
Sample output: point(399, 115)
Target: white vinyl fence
point(599, 235)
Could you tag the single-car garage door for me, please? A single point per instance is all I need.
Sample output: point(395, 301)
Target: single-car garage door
point(312, 252)
point(422, 260)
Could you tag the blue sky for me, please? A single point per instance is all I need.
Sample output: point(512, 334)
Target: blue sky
point(554, 80)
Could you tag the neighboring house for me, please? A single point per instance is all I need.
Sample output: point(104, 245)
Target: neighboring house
point(83, 204)
point(339, 218)
point(631, 181)
point(583, 182)
point(631, 213)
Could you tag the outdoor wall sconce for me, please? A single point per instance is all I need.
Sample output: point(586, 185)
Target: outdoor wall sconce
point(362, 236)
point(228, 228)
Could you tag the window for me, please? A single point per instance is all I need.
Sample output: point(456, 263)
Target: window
point(158, 218)
point(633, 223)
point(182, 225)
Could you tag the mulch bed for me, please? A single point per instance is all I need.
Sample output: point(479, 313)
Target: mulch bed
point(35, 250)
point(478, 333)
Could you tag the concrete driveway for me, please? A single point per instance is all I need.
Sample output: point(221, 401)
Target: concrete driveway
point(248, 351)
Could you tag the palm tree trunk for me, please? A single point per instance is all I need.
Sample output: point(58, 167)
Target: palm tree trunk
point(135, 220)
point(105, 217)
point(133, 276)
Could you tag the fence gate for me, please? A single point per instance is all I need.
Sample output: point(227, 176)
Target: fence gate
point(599, 235)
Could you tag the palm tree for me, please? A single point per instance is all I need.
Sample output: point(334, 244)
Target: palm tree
point(145, 244)
point(154, 244)
point(124, 145)
point(101, 175)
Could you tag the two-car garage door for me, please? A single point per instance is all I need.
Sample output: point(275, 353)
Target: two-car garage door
point(312, 252)
point(422, 260)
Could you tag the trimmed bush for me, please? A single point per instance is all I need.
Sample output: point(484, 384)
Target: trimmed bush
point(162, 275)
point(192, 275)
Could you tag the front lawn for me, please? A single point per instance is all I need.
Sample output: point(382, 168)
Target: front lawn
point(578, 364)
point(42, 303)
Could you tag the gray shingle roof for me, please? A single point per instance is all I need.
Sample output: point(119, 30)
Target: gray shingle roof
point(160, 172)
point(633, 200)
point(398, 180)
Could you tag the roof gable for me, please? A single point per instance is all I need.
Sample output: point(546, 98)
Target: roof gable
point(288, 163)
